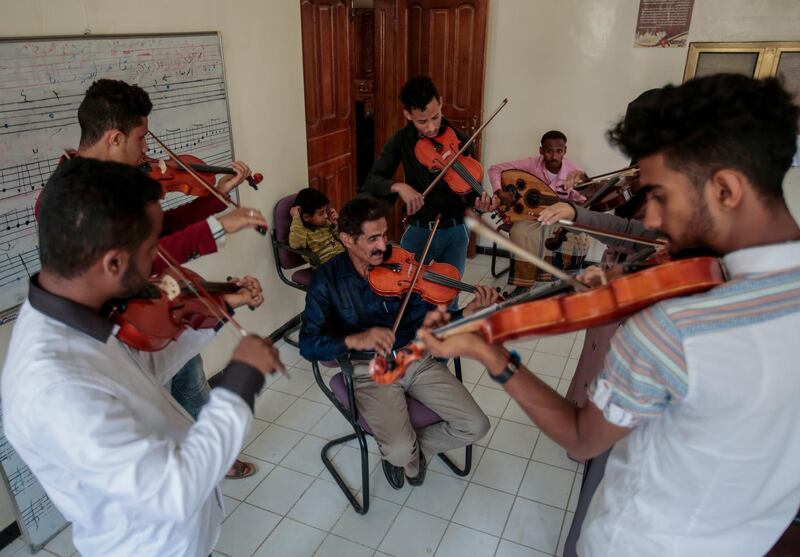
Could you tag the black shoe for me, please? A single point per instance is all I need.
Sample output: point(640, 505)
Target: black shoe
point(420, 477)
point(394, 474)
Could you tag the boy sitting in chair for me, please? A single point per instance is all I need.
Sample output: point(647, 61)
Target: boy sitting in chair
point(314, 225)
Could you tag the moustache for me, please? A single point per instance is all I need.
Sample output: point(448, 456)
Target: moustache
point(377, 253)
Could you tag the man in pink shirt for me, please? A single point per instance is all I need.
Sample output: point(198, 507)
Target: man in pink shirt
point(561, 175)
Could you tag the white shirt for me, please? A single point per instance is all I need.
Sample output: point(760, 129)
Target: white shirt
point(115, 452)
point(710, 383)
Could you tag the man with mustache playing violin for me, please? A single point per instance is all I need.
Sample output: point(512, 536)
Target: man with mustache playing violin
point(122, 461)
point(698, 394)
point(343, 313)
point(113, 121)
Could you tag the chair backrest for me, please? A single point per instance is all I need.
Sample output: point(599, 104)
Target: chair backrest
point(281, 221)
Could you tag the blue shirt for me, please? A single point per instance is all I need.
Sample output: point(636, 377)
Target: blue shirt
point(340, 302)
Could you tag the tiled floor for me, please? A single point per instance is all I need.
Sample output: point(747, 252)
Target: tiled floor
point(518, 501)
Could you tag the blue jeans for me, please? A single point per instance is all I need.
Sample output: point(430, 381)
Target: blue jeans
point(449, 246)
point(190, 387)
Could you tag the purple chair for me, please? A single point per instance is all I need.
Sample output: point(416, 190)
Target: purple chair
point(287, 258)
point(341, 394)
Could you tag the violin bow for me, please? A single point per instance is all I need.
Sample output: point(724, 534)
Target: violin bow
point(466, 145)
point(230, 203)
point(627, 171)
point(476, 225)
point(572, 225)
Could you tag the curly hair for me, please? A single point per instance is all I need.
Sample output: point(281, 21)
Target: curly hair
point(110, 104)
point(359, 210)
point(417, 92)
point(714, 122)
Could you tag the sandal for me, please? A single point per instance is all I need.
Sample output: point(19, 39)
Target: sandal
point(241, 470)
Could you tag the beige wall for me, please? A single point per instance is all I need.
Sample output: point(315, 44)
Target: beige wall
point(263, 66)
point(566, 64)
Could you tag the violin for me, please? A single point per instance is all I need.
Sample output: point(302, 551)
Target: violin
point(174, 178)
point(606, 192)
point(438, 283)
point(462, 175)
point(167, 306)
point(523, 196)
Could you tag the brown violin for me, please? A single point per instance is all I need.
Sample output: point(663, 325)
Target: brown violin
point(172, 177)
point(463, 175)
point(606, 192)
point(438, 284)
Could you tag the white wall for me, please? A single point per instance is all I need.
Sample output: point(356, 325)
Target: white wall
point(263, 66)
point(571, 65)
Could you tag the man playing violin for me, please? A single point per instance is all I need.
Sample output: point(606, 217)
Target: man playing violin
point(422, 107)
point(117, 456)
point(560, 175)
point(698, 393)
point(113, 118)
point(343, 313)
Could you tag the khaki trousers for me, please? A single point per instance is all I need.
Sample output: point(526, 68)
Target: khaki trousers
point(531, 236)
point(431, 383)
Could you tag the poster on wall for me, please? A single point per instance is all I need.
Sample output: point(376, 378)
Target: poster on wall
point(663, 23)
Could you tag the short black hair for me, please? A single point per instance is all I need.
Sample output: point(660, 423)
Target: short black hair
point(553, 134)
point(89, 207)
point(110, 104)
point(417, 92)
point(359, 210)
point(714, 122)
point(309, 200)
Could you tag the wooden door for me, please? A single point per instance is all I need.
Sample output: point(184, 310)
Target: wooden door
point(445, 39)
point(328, 69)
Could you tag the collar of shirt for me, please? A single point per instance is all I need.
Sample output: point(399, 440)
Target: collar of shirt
point(561, 176)
point(69, 313)
point(763, 259)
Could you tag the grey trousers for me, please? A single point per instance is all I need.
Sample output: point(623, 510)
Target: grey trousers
point(431, 383)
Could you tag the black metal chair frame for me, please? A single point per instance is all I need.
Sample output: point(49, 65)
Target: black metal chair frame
point(312, 257)
point(350, 412)
point(496, 273)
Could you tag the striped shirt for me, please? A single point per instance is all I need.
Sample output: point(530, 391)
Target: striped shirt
point(323, 241)
point(709, 384)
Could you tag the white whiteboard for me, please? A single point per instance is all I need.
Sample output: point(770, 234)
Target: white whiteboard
point(38, 519)
point(42, 82)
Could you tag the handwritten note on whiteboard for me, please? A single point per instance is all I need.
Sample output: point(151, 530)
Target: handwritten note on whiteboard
point(42, 82)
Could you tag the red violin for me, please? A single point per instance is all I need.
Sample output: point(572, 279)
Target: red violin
point(608, 191)
point(437, 284)
point(171, 303)
point(173, 177)
point(463, 175)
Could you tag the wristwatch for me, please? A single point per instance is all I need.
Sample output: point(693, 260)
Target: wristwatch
point(511, 368)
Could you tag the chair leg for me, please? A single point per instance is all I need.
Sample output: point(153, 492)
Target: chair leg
point(452, 465)
point(496, 273)
point(289, 340)
point(360, 508)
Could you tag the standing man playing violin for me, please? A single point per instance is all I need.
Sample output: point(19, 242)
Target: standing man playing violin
point(560, 175)
point(422, 107)
point(697, 393)
point(113, 121)
point(343, 313)
point(117, 456)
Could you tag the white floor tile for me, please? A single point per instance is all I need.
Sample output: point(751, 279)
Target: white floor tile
point(459, 541)
point(457, 456)
point(515, 414)
point(491, 401)
point(271, 404)
point(306, 457)
point(547, 484)
point(274, 443)
point(379, 487)
point(438, 496)
point(291, 539)
point(62, 545)
point(257, 427)
point(563, 387)
point(334, 546)
point(332, 425)
point(559, 345)
point(245, 529)
point(511, 549)
point(348, 463)
point(289, 354)
point(368, 529)
point(577, 348)
point(230, 505)
point(413, 534)
point(547, 364)
point(500, 471)
point(575, 493)
point(303, 415)
point(564, 531)
point(514, 438)
point(569, 369)
point(280, 490)
point(483, 509)
point(487, 381)
point(535, 525)
point(471, 370)
point(240, 489)
point(296, 384)
point(549, 452)
point(320, 506)
point(315, 393)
